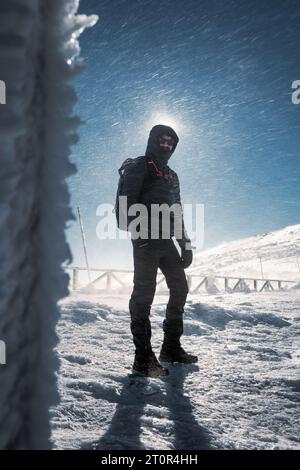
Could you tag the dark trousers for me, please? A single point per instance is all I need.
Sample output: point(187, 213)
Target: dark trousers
point(148, 257)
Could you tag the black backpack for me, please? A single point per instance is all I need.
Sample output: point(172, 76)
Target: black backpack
point(120, 220)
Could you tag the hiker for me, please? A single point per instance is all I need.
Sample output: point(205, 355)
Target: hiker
point(149, 180)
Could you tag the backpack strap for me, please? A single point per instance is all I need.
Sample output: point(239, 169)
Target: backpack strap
point(126, 162)
point(168, 176)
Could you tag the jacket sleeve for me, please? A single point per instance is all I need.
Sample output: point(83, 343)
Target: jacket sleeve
point(133, 180)
point(184, 236)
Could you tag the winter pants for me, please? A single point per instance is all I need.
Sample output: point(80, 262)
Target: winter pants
point(148, 257)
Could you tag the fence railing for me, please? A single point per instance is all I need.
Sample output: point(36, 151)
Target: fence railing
point(117, 278)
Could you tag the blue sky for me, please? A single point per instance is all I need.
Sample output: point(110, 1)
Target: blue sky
point(221, 73)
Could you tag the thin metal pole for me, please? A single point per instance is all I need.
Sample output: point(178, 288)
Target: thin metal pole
point(297, 257)
point(84, 243)
point(261, 268)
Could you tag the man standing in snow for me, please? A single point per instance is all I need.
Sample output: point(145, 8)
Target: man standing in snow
point(148, 180)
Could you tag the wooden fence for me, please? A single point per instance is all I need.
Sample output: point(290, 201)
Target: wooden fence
point(116, 278)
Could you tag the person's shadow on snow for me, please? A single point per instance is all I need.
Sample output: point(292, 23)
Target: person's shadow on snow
point(124, 432)
point(188, 433)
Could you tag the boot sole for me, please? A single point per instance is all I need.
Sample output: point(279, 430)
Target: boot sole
point(151, 375)
point(170, 361)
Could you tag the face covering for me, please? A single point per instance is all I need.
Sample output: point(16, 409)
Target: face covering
point(161, 143)
point(166, 142)
point(165, 145)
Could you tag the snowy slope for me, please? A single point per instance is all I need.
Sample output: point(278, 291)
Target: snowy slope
point(278, 250)
point(243, 394)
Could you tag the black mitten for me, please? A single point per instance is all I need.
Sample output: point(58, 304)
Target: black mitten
point(186, 256)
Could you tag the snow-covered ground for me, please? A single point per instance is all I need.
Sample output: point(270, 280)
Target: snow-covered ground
point(242, 394)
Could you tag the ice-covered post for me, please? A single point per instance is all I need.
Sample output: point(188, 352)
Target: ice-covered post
point(38, 63)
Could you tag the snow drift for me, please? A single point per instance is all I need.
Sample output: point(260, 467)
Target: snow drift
point(242, 394)
point(39, 57)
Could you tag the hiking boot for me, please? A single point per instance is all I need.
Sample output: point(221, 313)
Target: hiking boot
point(149, 367)
point(176, 355)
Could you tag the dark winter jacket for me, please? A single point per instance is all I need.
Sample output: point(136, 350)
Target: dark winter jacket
point(149, 180)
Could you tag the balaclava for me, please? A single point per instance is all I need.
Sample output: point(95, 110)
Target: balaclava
point(153, 148)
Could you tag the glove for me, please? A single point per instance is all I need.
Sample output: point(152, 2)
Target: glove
point(186, 257)
point(141, 243)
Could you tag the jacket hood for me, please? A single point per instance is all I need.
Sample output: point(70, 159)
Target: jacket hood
point(153, 148)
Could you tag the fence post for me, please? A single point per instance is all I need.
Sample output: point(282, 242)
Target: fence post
point(75, 278)
point(108, 280)
point(255, 284)
point(189, 281)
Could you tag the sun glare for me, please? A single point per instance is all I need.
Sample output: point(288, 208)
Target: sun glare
point(163, 119)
